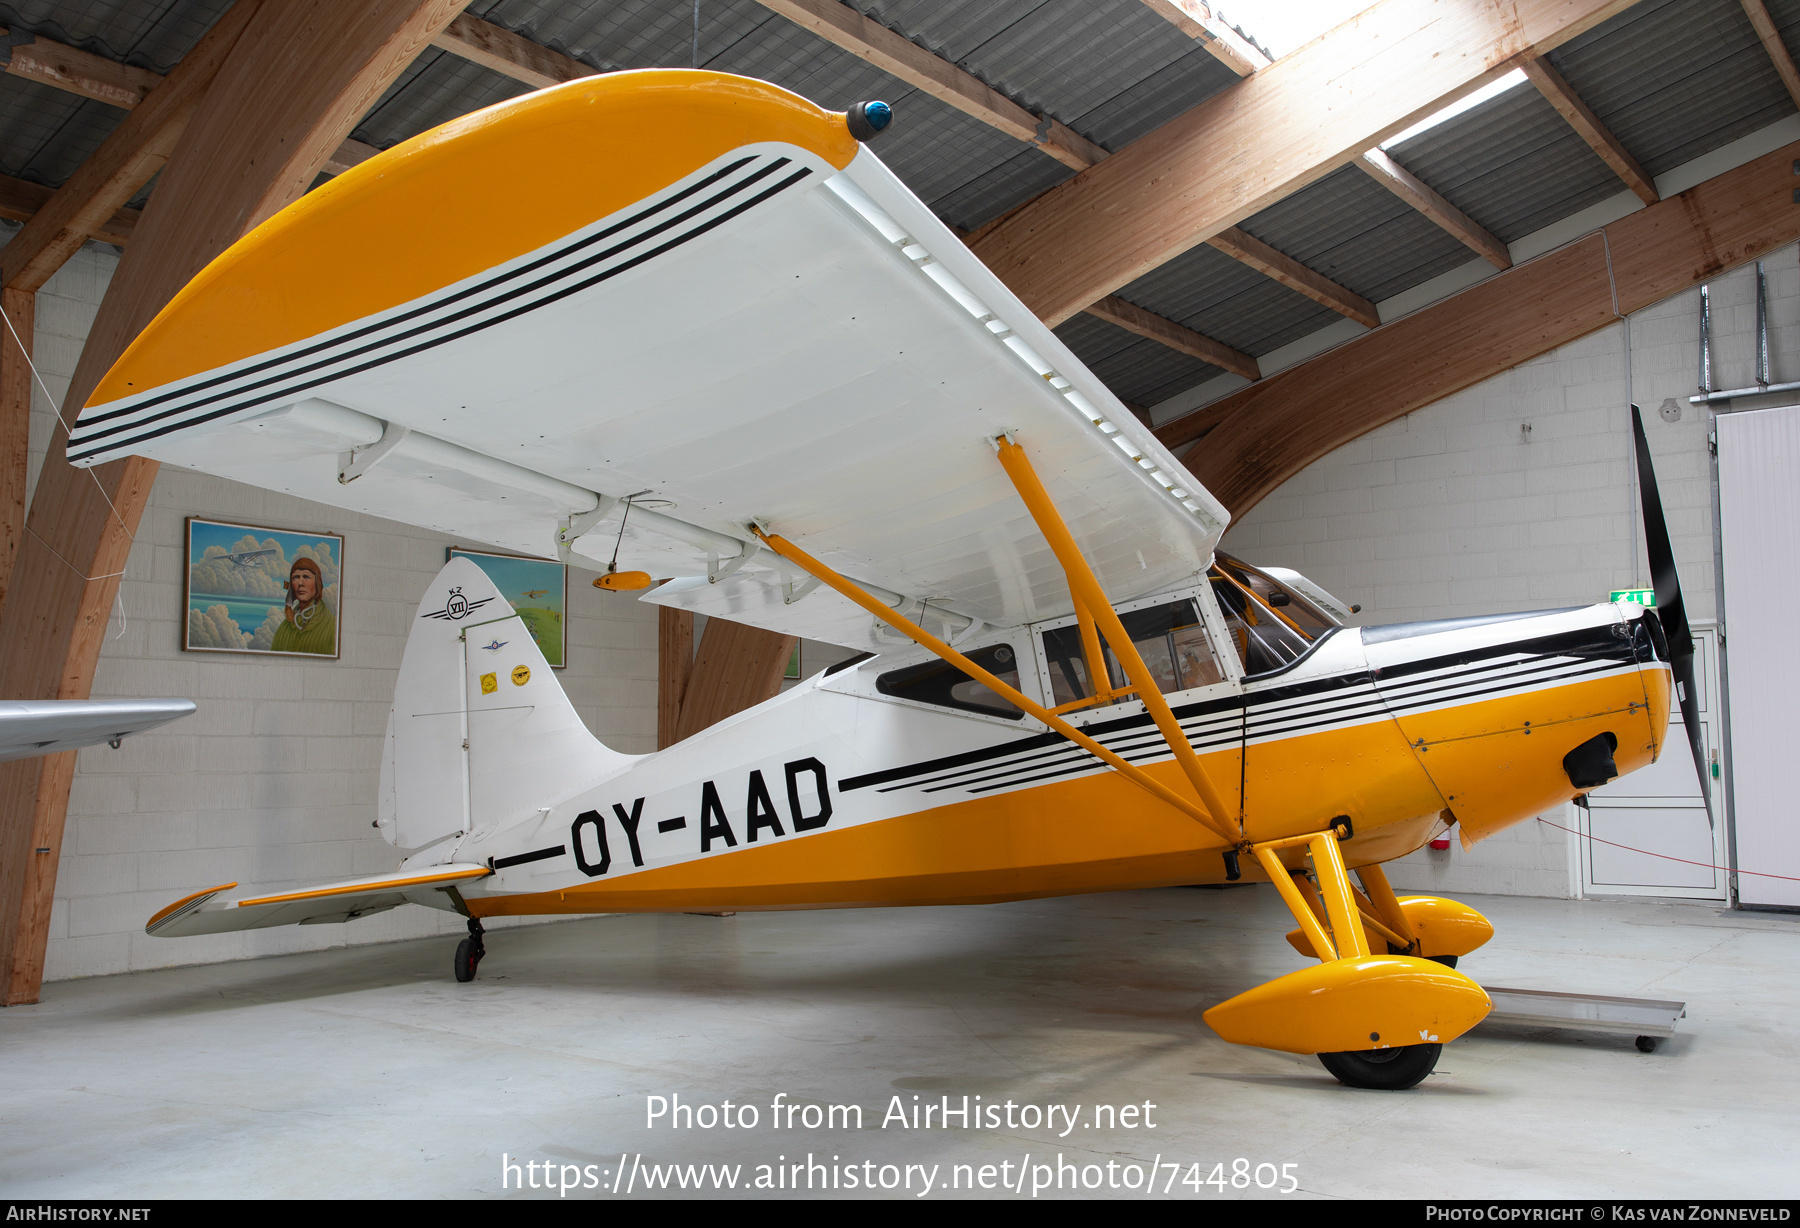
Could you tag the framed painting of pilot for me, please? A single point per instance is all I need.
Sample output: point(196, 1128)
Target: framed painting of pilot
point(260, 590)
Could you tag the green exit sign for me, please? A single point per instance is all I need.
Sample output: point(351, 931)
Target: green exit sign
point(1643, 596)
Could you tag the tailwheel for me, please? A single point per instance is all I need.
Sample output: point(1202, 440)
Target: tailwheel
point(1388, 1070)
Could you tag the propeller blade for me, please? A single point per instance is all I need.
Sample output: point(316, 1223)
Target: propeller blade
point(1669, 606)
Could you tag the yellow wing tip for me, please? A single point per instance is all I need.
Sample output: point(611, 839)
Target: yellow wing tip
point(185, 900)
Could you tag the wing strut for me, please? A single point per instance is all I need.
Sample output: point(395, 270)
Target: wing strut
point(1091, 600)
point(1209, 814)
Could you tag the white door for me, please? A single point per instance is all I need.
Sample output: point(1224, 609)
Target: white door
point(1759, 531)
point(1647, 833)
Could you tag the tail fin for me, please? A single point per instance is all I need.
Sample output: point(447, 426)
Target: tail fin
point(481, 732)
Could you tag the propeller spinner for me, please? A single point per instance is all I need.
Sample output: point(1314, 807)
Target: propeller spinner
point(1669, 605)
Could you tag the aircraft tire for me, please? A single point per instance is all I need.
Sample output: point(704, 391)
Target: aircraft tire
point(1449, 961)
point(466, 959)
point(1389, 1070)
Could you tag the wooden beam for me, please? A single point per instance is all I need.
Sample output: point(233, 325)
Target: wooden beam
point(16, 334)
point(511, 55)
point(900, 56)
point(1199, 22)
point(1115, 310)
point(1408, 187)
point(1587, 125)
point(300, 76)
point(1295, 276)
point(91, 76)
point(81, 72)
point(127, 159)
point(1264, 137)
point(1268, 433)
point(1758, 14)
point(737, 667)
point(349, 154)
point(20, 199)
point(674, 662)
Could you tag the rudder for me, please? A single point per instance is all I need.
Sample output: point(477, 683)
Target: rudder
point(481, 732)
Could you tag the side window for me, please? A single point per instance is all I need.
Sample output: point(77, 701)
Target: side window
point(1264, 641)
point(941, 683)
point(1170, 638)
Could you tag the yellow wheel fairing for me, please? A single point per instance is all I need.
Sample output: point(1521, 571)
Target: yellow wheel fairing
point(1371, 1002)
point(1445, 927)
point(462, 198)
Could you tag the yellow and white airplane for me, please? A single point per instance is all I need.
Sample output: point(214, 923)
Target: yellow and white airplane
point(707, 290)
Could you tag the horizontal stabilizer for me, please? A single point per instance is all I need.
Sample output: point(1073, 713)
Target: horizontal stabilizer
point(334, 902)
point(45, 726)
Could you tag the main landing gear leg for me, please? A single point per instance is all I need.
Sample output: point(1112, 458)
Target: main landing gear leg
point(1352, 999)
point(469, 951)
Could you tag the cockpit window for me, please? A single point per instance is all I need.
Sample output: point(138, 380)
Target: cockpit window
point(1170, 639)
point(1270, 625)
point(941, 683)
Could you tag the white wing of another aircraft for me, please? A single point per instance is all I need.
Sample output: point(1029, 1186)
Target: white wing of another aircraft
point(45, 726)
point(694, 289)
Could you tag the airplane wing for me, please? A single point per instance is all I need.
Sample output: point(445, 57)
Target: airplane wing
point(44, 726)
point(335, 902)
point(697, 289)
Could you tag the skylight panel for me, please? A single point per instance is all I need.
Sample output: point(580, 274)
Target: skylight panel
point(1493, 89)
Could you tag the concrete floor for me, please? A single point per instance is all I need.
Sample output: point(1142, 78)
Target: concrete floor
point(369, 1072)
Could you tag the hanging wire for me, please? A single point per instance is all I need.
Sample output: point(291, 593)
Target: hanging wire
point(620, 540)
point(51, 398)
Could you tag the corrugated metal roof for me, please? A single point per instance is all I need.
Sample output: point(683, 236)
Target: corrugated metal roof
point(1211, 293)
point(46, 133)
point(151, 34)
point(434, 89)
point(1138, 369)
point(1512, 164)
point(1672, 79)
point(1359, 234)
point(950, 159)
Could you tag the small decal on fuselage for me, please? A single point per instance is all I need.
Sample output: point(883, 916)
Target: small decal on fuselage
point(496, 646)
point(489, 683)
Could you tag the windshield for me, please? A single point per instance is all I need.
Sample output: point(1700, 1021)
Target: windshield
point(1270, 625)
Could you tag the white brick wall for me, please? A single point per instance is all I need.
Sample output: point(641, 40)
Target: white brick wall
point(273, 780)
point(1455, 510)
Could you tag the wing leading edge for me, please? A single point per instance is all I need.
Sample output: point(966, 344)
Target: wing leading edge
point(45, 726)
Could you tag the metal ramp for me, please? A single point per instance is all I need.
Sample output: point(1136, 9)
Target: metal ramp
point(1646, 1019)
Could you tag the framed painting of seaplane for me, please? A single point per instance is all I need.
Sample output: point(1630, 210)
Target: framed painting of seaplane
point(708, 292)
